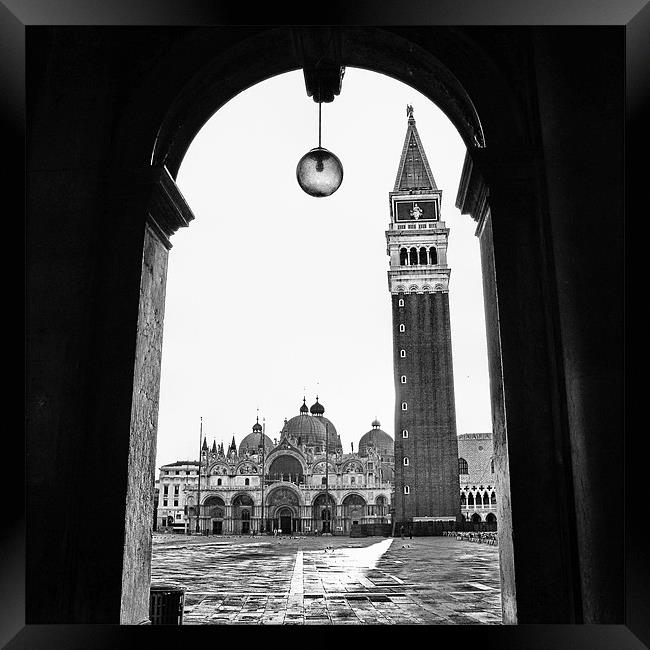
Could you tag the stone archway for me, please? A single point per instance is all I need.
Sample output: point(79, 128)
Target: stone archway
point(285, 518)
point(325, 518)
point(381, 508)
point(242, 513)
point(284, 507)
point(214, 512)
point(354, 508)
point(372, 49)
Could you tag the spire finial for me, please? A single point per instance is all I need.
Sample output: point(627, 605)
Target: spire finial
point(303, 409)
point(409, 112)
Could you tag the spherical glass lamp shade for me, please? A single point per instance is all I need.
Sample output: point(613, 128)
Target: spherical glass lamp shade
point(319, 172)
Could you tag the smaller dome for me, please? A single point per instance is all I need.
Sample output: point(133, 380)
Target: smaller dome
point(317, 408)
point(377, 439)
point(257, 426)
point(376, 423)
point(251, 444)
point(303, 408)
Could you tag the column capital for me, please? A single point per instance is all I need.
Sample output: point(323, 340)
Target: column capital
point(157, 192)
point(486, 172)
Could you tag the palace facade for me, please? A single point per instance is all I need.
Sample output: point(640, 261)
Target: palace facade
point(478, 490)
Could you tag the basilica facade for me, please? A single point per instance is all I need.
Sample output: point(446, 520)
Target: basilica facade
point(301, 482)
point(359, 485)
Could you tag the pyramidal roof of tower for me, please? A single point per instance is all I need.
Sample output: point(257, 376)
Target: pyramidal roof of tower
point(413, 172)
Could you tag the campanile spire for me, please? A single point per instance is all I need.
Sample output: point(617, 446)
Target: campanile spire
point(426, 447)
point(413, 172)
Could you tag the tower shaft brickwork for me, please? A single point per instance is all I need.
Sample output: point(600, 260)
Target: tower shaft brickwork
point(426, 446)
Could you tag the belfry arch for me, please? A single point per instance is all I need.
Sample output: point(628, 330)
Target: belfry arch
point(520, 125)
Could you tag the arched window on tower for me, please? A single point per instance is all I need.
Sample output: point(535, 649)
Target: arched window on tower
point(433, 255)
point(406, 461)
point(218, 481)
point(413, 256)
point(247, 481)
point(423, 256)
point(402, 327)
point(403, 257)
point(400, 302)
point(462, 466)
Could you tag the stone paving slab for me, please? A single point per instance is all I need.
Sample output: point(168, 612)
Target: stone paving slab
point(331, 580)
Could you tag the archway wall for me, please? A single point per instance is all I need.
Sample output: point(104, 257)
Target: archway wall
point(95, 311)
point(423, 59)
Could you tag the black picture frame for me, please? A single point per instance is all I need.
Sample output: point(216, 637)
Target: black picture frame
point(18, 15)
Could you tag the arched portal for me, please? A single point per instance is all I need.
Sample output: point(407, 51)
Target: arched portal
point(285, 520)
point(324, 514)
point(242, 512)
point(354, 511)
point(213, 514)
point(381, 508)
point(283, 508)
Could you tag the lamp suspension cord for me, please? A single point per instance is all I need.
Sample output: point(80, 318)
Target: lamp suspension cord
point(319, 129)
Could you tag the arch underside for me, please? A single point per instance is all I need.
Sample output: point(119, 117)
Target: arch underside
point(273, 52)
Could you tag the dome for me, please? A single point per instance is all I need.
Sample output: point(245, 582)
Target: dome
point(378, 439)
point(317, 410)
point(334, 439)
point(252, 442)
point(257, 426)
point(303, 408)
point(310, 430)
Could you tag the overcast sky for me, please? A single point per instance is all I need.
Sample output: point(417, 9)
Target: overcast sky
point(272, 294)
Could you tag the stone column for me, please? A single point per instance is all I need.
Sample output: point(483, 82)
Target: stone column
point(531, 455)
point(97, 288)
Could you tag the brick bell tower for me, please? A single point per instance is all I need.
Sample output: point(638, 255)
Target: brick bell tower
point(426, 447)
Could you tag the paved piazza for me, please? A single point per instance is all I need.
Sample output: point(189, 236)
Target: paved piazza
point(331, 580)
